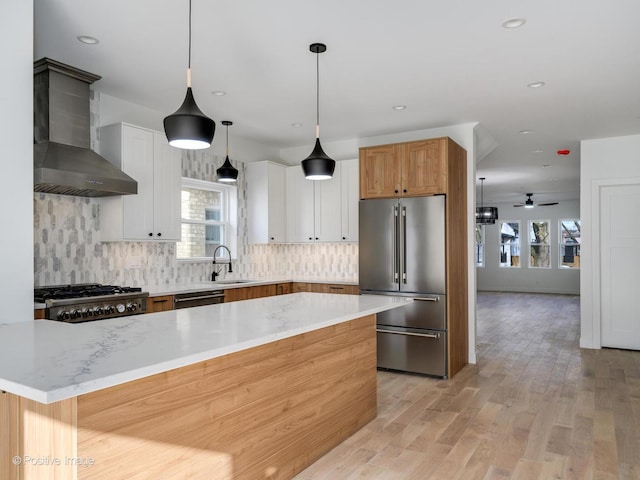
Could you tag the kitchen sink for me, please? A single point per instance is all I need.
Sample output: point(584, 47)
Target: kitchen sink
point(232, 282)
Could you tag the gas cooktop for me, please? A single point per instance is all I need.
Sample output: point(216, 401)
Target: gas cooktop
point(90, 301)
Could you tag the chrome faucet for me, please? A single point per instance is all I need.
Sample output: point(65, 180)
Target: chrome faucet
point(215, 272)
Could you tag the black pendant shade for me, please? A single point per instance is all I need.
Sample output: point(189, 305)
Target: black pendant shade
point(188, 127)
point(485, 215)
point(227, 172)
point(318, 165)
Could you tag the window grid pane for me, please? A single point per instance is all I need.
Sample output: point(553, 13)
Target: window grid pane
point(539, 244)
point(569, 252)
point(204, 225)
point(510, 244)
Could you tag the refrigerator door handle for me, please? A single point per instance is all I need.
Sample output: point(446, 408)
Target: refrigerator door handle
point(394, 260)
point(410, 334)
point(403, 253)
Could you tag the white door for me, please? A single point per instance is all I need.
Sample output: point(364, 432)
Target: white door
point(620, 266)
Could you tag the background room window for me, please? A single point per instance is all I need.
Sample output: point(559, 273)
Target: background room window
point(569, 243)
point(539, 245)
point(510, 244)
point(209, 218)
point(479, 245)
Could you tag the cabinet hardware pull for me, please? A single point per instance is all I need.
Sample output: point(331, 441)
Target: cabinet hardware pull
point(410, 334)
point(160, 301)
point(427, 299)
point(159, 234)
point(336, 288)
point(201, 297)
point(150, 234)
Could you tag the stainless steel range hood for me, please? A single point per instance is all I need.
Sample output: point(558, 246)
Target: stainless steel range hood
point(63, 163)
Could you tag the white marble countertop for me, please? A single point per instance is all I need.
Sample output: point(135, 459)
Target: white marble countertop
point(48, 361)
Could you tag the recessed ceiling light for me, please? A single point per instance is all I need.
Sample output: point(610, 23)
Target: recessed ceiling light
point(537, 151)
point(296, 125)
point(525, 132)
point(536, 85)
point(514, 23)
point(88, 39)
point(399, 107)
point(218, 93)
point(546, 165)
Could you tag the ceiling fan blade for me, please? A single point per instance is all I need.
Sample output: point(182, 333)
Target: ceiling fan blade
point(546, 204)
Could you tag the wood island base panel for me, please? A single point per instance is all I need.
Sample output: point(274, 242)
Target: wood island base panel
point(262, 413)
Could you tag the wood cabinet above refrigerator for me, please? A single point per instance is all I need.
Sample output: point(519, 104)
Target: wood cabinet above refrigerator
point(407, 169)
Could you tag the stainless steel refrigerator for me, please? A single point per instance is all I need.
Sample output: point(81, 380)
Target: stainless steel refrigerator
point(402, 252)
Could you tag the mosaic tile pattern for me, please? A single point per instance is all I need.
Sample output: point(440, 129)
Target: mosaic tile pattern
point(67, 246)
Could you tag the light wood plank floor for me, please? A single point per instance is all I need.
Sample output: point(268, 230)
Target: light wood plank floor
point(535, 406)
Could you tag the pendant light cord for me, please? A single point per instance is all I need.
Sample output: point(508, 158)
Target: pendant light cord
point(189, 62)
point(227, 140)
point(317, 94)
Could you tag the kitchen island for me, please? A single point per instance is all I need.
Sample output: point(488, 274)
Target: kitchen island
point(251, 389)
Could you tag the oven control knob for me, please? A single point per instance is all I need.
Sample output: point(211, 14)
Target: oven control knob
point(109, 309)
point(61, 314)
point(120, 308)
point(86, 312)
point(74, 313)
point(131, 307)
point(98, 311)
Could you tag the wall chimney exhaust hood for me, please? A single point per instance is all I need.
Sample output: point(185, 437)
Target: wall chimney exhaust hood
point(63, 163)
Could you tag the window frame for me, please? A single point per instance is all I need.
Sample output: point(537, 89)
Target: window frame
point(502, 244)
point(531, 244)
point(562, 245)
point(228, 211)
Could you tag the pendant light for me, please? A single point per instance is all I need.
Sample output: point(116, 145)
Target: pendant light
point(227, 172)
point(188, 127)
point(485, 215)
point(318, 165)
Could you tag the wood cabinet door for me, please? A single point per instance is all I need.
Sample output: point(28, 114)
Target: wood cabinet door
point(380, 171)
point(424, 168)
point(160, 303)
point(247, 293)
point(283, 288)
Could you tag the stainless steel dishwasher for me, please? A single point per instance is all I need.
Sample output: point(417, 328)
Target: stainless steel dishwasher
point(197, 299)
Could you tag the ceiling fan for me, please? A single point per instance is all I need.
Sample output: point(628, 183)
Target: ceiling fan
point(529, 203)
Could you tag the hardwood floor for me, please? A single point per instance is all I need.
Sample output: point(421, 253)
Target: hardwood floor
point(536, 406)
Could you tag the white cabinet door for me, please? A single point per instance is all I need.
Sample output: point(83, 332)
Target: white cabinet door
point(328, 201)
point(300, 207)
point(167, 174)
point(350, 180)
point(276, 200)
point(137, 162)
point(266, 197)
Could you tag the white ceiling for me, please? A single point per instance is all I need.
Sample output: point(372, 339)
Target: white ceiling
point(449, 62)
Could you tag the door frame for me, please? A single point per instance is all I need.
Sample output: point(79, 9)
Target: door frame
point(596, 255)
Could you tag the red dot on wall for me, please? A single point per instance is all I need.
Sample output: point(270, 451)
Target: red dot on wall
point(564, 152)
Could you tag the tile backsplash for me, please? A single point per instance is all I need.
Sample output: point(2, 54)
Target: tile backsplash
point(68, 248)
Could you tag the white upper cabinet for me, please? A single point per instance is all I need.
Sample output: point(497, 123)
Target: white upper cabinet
point(154, 213)
point(350, 185)
point(326, 210)
point(266, 196)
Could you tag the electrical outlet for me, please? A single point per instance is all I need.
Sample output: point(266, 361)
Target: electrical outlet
point(134, 261)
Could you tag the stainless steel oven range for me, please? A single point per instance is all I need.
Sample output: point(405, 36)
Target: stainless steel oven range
point(90, 301)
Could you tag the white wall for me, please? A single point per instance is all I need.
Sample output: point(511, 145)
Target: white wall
point(492, 277)
point(602, 161)
point(464, 135)
point(16, 160)
point(115, 110)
